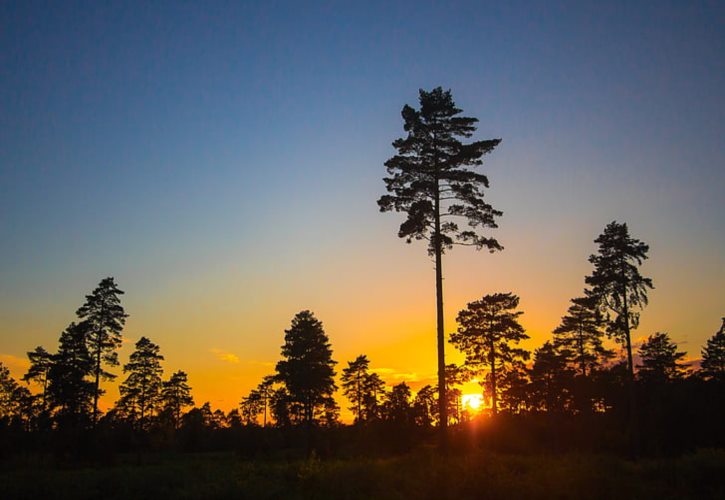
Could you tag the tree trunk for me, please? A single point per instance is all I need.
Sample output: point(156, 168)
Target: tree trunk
point(494, 399)
point(440, 332)
point(632, 430)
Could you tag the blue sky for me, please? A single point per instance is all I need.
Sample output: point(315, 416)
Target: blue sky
point(186, 146)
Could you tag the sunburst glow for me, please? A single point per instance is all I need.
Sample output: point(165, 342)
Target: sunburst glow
point(473, 402)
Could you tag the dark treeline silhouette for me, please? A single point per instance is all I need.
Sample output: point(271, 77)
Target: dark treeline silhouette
point(589, 387)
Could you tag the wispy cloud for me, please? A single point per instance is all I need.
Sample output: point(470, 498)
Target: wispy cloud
point(16, 364)
point(224, 355)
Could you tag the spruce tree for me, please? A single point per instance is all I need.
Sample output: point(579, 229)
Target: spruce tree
point(307, 369)
point(487, 328)
point(103, 318)
point(431, 179)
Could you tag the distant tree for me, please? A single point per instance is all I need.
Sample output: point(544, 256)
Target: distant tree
point(397, 405)
point(424, 406)
point(68, 388)
point(580, 333)
point(40, 363)
point(713, 356)
point(307, 368)
point(455, 375)
point(281, 407)
point(374, 389)
point(550, 379)
point(176, 395)
point(7, 390)
point(486, 330)
point(432, 182)
point(234, 419)
point(250, 407)
point(354, 385)
point(515, 389)
point(661, 361)
point(265, 390)
point(104, 318)
point(141, 391)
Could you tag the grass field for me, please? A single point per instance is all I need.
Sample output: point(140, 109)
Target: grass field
point(423, 474)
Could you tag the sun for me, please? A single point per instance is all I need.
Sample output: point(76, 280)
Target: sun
point(473, 402)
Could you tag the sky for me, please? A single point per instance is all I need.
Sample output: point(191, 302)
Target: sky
point(222, 160)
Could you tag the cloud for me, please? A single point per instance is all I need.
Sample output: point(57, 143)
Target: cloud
point(15, 364)
point(224, 356)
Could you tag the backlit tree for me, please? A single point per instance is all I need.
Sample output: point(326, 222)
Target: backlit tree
point(433, 181)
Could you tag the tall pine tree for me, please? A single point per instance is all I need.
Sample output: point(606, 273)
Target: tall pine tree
point(431, 180)
point(103, 318)
point(621, 292)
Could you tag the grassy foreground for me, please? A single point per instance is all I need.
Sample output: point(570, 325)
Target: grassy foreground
point(423, 474)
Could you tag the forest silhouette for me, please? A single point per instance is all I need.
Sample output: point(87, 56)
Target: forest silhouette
point(589, 388)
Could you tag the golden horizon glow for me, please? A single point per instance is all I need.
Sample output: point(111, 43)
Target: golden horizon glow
point(473, 402)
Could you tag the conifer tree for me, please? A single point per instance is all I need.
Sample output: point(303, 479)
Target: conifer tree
point(620, 291)
point(549, 379)
point(103, 318)
point(661, 361)
point(487, 328)
point(141, 391)
point(307, 368)
point(40, 363)
point(354, 385)
point(713, 356)
point(176, 395)
point(431, 180)
point(68, 386)
point(580, 333)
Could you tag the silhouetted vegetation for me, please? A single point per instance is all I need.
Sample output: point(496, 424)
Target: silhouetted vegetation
point(430, 180)
point(573, 407)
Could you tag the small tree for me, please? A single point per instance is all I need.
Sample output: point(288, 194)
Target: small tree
point(8, 387)
point(176, 395)
point(424, 406)
point(104, 318)
point(397, 405)
point(141, 391)
point(250, 407)
point(374, 389)
point(40, 363)
point(265, 389)
point(713, 356)
point(432, 182)
point(307, 369)
point(661, 361)
point(354, 385)
point(486, 330)
point(580, 333)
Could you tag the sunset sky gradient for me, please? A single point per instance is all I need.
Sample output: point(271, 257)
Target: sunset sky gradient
point(223, 163)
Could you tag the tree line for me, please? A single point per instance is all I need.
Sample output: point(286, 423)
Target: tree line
point(575, 376)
